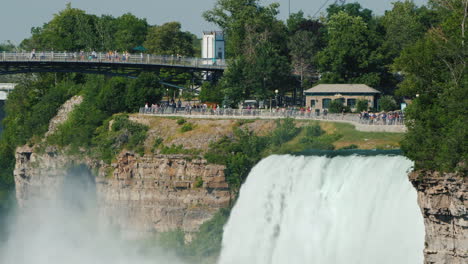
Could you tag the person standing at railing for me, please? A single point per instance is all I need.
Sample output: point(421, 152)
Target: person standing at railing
point(42, 55)
point(33, 54)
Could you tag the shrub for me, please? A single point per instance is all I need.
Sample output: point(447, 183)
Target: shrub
point(118, 133)
point(207, 241)
point(362, 105)
point(181, 121)
point(352, 146)
point(186, 127)
point(157, 142)
point(198, 182)
point(285, 130)
point(241, 122)
point(387, 103)
point(311, 132)
point(336, 106)
point(179, 149)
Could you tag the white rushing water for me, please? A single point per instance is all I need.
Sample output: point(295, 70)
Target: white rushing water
point(353, 210)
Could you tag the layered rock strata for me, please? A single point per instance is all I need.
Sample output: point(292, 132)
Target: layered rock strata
point(443, 202)
point(139, 195)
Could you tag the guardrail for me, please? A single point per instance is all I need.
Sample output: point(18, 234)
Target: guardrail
point(274, 113)
point(95, 57)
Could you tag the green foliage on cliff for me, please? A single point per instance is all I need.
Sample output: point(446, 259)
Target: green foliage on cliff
point(244, 149)
point(116, 134)
point(206, 244)
point(436, 77)
point(29, 108)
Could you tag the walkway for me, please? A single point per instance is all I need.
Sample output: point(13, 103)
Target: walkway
point(21, 62)
point(368, 125)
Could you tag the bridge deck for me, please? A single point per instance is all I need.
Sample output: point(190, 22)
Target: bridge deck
point(14, 62)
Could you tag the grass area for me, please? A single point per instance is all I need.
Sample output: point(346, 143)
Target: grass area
point(363, 140)
point(204, 131)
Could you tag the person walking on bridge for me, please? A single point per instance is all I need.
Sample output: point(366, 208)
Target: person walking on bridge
point(33, 54)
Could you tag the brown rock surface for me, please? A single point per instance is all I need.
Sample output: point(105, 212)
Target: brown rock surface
point(139, 195)
point(443, 202)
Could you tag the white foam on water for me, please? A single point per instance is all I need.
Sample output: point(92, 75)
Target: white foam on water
point(353, 210)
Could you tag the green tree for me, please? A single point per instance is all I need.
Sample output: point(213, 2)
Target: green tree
point(362, 105)
point(105, 29)
point(387, 103)
point(70, 30)
point(348, 55)
point(144, 89)
point(130, 32)
point(7, 46)
point(211, 93)
point(436, 78)
point(168, 39)
point(304, 47)
point(237, 17)
point(353, 9)
point(256, 44)
point(403, 27)
point(337, 106)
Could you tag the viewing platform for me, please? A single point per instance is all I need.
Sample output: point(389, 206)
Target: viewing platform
point(361, 124)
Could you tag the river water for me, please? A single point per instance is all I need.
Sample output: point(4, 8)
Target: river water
point(299, 209)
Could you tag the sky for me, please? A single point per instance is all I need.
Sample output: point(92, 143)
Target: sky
point(19, 16)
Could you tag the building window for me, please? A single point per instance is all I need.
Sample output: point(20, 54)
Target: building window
point(341, 100)
point(351, 103)
point(220, 54)
point(326, 103)
point(312, 103)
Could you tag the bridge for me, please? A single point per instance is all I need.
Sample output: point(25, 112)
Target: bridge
point(129, 65)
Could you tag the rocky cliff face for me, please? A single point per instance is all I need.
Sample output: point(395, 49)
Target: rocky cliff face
point(443, 202)
point(139, 195)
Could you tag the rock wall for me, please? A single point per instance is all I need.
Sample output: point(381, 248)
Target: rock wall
point(443, 202)
point(139, 195)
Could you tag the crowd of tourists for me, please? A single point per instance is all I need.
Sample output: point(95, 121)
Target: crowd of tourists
point(382, 118)
point(365, 117)
point(82, 55)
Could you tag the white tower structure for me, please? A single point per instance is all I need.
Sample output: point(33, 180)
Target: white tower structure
point(213, 45)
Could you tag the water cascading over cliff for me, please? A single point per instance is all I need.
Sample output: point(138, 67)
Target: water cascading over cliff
point(355, 210)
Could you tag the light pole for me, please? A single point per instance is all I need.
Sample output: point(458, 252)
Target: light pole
point(276, 97)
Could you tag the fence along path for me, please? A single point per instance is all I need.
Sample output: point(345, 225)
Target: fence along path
point(361, 124)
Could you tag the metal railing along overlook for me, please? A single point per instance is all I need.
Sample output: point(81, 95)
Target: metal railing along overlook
point(390, 119)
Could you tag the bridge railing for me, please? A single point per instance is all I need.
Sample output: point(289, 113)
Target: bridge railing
point(95, 57)
point(274, 113)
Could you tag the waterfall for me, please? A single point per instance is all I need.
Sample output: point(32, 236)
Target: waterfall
point(2, 115)
point(354, 210)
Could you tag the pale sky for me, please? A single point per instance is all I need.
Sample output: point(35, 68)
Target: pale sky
point(18, 16)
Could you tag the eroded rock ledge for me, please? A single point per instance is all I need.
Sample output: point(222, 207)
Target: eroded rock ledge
point(139, 195)
point(443, 202)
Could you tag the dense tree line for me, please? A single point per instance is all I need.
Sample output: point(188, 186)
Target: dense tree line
point(73, 29)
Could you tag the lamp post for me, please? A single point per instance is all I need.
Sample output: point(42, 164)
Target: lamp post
point(276, 97)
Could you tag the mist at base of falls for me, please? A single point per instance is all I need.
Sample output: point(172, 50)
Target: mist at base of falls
point(68, 229)
point(353, 210)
